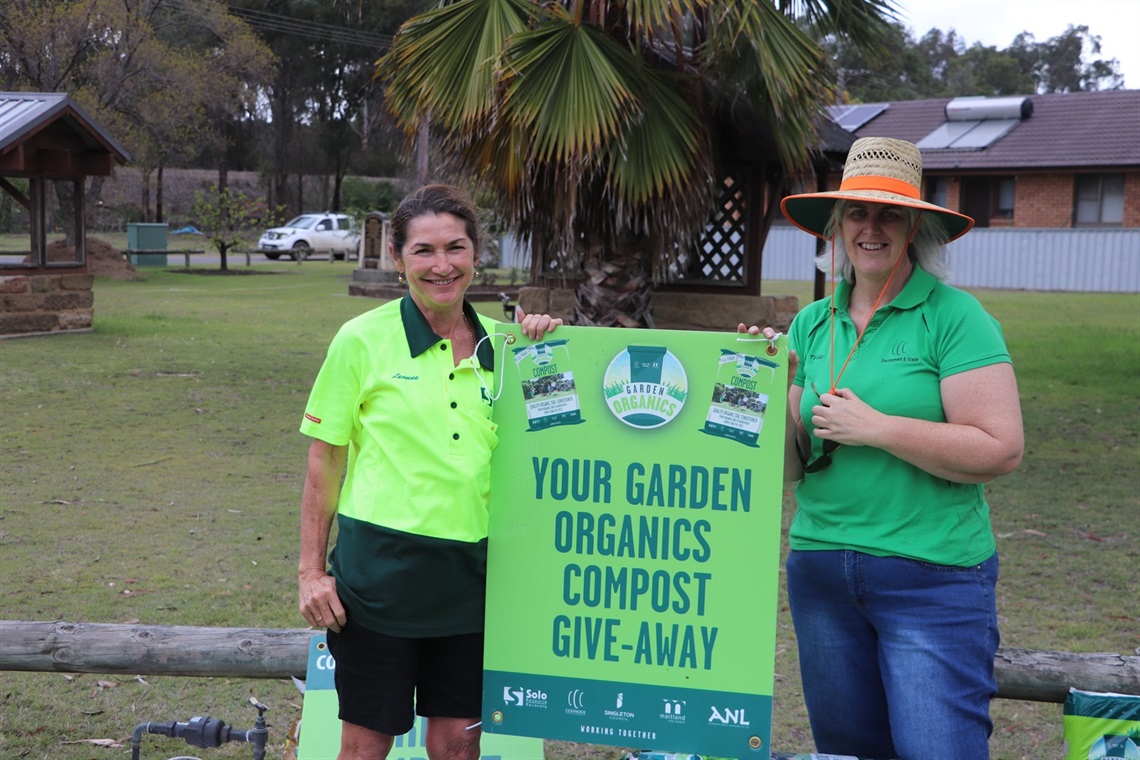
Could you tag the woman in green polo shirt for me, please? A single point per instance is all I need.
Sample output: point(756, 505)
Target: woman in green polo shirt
point(903, 404)
point(400, 416)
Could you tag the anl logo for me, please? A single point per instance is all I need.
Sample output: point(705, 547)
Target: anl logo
point(729, 717)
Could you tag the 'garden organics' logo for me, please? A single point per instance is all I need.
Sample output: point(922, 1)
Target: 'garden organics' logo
point(645, 386)
point(747, 366)
point(543, 354)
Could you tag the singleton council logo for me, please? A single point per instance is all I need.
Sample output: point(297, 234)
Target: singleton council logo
point(645, 386)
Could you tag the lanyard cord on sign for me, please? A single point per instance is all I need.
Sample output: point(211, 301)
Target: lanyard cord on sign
point(771, 349)
point(508, 340)
point(859, 337)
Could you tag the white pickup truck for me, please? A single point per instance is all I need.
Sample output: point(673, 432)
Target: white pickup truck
point(299, 237)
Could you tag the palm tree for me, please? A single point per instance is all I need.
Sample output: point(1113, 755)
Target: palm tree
point(593, 120)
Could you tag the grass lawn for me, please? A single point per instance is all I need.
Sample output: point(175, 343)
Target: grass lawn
point(152, 472)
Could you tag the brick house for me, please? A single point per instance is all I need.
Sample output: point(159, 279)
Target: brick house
point(1041, 161)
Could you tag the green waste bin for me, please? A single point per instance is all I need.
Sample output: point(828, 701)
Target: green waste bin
point(143, 240)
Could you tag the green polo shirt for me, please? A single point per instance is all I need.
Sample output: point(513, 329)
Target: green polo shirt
point(867, 499)
point(411, 545)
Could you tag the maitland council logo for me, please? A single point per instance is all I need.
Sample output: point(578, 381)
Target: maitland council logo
point(673, 710)
point(645, 386)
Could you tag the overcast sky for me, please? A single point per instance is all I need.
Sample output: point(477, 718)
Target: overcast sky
point(996, 22)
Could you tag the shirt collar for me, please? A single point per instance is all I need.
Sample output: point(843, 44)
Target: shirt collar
point(915, 291)
point(421, 337)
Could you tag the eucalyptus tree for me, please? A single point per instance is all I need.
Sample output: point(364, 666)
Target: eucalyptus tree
point(943, 64)
point(593, 120)
point(322, 104)
point(160, 76)
point(1068, 63)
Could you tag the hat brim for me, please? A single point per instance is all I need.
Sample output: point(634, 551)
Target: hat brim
point(812, 211)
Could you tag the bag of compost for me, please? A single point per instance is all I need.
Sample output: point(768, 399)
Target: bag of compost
point(1101, 725)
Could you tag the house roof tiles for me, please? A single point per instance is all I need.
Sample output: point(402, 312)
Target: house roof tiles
point(1071, 131)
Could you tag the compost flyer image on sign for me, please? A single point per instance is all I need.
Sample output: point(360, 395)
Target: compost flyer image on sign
point(547, 383)
point(738, 407)
point(634, 540)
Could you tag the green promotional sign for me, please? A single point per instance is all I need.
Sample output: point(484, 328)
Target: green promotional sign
point(634, 539)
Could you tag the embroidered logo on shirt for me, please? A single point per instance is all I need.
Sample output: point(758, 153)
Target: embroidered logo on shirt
point(311, 418)
point(899, 354)
point(399, 376)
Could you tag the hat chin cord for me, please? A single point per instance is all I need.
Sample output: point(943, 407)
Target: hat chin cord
point(831, 320)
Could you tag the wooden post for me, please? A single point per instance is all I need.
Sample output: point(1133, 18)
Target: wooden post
point(1027, 674)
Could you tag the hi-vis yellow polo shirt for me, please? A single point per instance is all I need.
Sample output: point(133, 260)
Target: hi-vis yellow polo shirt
point(411, 548)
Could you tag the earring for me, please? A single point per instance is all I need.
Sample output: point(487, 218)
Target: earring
point(478, 273)
point(401, 279)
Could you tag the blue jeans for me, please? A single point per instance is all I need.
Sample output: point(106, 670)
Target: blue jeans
point(896, 655)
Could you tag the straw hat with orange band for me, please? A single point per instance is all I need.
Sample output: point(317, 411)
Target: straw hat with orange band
point(878, 170)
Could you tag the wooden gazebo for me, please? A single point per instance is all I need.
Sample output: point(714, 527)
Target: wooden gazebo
point(46, 138)
point(728, 255)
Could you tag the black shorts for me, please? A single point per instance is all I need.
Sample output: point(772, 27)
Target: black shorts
point(379, 677)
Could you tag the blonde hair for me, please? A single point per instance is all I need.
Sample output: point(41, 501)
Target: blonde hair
point(927, 248)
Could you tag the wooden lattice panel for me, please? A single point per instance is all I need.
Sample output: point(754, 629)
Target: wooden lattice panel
point(721, 253)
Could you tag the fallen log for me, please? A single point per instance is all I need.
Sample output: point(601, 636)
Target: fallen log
point(1027, 674)
point(167, 650)
point(1045, 676)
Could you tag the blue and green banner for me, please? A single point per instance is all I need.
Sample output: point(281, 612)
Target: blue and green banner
point(320, 726)
point(634, 539)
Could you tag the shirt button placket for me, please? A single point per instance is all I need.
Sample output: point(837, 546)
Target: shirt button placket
point(451, 376)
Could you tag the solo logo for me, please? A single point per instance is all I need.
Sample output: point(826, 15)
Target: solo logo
point(524, 697)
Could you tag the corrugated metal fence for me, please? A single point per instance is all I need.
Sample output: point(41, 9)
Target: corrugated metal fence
point(1082, 260)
